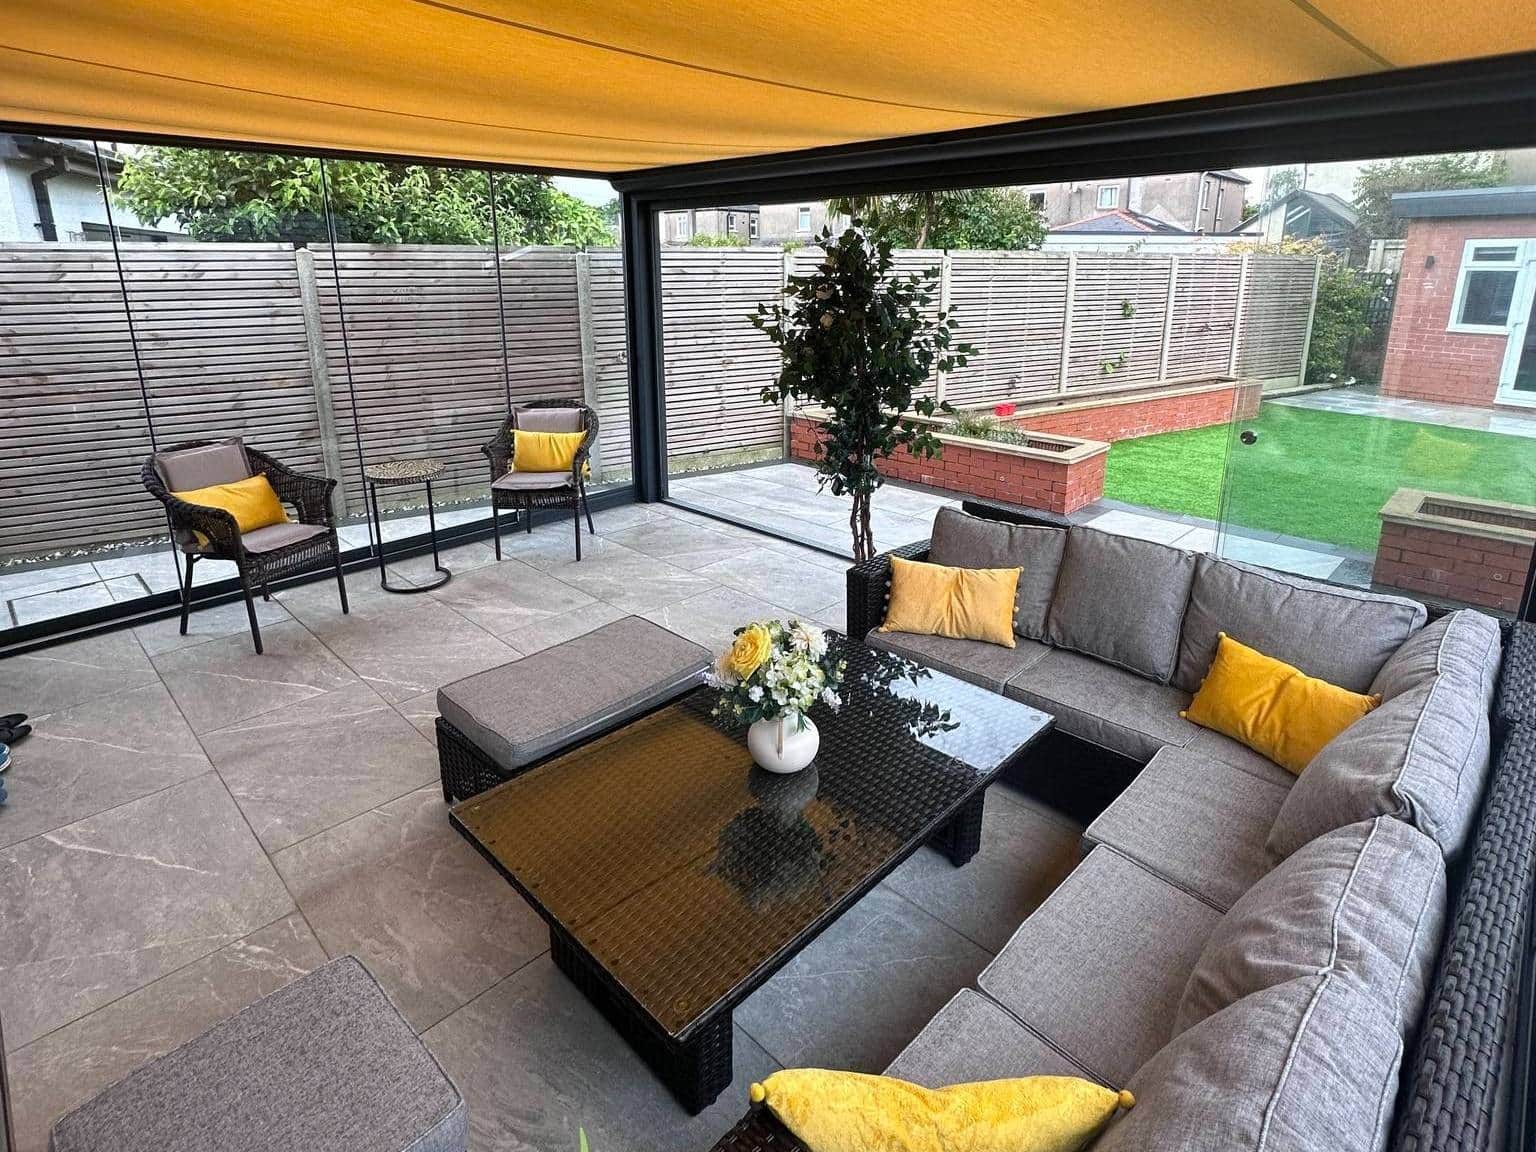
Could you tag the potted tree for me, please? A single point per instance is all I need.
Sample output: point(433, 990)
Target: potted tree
point(860, 343)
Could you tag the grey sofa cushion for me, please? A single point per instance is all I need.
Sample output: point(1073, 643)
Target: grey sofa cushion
point(1464, 643)
point(1340, 635)
point(964, 541)
point(1099, 969)
point(325, 1064)
point(1218, 747)
point(1422, 756)
point(989, 665)
point(971, 1039)
point(1105, 705)
point(1122, 600)
point(1198, 823)
point(1366, 901)
point(520, 712)
point(549, 419)
point(1305, 1066)
point(188, 469)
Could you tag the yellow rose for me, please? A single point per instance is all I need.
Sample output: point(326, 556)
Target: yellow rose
point(749, 650)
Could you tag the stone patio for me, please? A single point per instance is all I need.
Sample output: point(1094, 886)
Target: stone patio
point(192, 826)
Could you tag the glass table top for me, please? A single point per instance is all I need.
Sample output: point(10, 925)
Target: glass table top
point(685, 871)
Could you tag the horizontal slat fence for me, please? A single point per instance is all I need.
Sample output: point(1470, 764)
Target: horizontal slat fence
point(1011, 307)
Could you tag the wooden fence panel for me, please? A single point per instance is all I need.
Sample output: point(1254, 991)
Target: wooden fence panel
point(1119, 306)
point(1276, 318)
point(1204, 315)
point(611, 350)
point(1011, 306)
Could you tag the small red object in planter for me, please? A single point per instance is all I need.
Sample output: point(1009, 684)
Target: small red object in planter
point(1005, 409)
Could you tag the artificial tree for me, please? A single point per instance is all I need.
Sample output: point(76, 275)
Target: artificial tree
point(860, 342)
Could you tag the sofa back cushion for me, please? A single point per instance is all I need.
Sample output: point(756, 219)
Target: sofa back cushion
point(964, 541)
point(1422, 756)
point(1310, 1064)
point(1366, 901)
point(1121, 600)
point(1340, 635)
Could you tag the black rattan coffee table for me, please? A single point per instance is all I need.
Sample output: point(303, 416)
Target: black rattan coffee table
point(676, 877)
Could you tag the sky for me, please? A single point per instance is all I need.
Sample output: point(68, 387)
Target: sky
point(592, 191)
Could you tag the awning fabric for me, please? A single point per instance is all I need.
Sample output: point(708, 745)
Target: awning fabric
point(609, 85)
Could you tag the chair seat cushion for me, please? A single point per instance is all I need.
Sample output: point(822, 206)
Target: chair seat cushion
point(989, 665)
point(275, 537)
point(326, 1064)
point(1198, 823)
point(1098, 970)
point(532, 481)
point(1105, 705)
point(521, 712)
point(972, 1039)
point(549, 419)
point(186, 469)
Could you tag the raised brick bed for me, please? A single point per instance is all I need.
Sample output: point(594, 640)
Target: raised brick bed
point(1455, 548)
point(1172, 408)
point(1057, 473)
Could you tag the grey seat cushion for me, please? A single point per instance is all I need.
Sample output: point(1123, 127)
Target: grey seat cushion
point(964, 541)
point(1218, 747)
point(1098, 970)
point(1105, 705)
point(1306, 1066)
point(1198, 823)
point(548, 419)
point(971, 1039)
point(1122, 600)
point(1422, 756)
point(1341, 635)
point(188, 469)
point(521, 712)
point(325, 1064)
point(275, 536)
point(530, 481)
point(989, 665)
point(1366, 901)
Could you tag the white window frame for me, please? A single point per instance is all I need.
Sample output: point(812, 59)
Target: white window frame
point(1114, 196)
point(752, 226)
point(1469, 265)
point(803, 212)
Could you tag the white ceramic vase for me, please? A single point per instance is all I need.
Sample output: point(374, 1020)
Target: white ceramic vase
point(786, 743)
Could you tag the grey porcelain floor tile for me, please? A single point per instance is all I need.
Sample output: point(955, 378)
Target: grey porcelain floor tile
point(422, 713)
point(1023, 856)
point(95, 755)
point(308, 767)
point(64, 674)
point(318, 602)
point(814, 556)
point(687, 544)
point(554, 630)
point(157, 569)
point(550, 546)
point(64, 1069)
point(536, 1062)
point(712, 617)
point(507, 596)
point(24, 580)
point(779, 579)
point(32, 608)
point(401, 890)
point(225, 681)
point(461, 560)
point(204, 624)
point(631, 580)
point(101, 907)
point(624, 516)
point(863, 989)
point(405, 646)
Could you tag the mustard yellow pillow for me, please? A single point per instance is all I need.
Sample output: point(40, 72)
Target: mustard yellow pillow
point(960, 603)
point(544, 451)
point(1277, 710)
point(252, 502)
point(852, 1112)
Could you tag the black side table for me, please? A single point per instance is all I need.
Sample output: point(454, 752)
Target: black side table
point(395, 473)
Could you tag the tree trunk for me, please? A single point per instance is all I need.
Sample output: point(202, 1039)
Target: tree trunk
point(858, 523)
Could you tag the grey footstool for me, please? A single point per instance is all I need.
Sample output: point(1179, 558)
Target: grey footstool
point(326, 1064)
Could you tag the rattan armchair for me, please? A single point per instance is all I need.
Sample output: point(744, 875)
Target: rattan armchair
point(262, 555)
point(526, 491)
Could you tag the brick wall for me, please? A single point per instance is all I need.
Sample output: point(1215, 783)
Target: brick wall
point(1452, 565)
point(1056, 485)
point(1423, 360)
point(1123, 420)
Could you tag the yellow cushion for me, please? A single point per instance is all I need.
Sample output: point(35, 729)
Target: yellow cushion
point(852, 1112)
point(544, 451)
point(1277, 710)
point(252, 502)
point(961, 603)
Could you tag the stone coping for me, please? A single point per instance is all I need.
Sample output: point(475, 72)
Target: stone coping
point(1489, 519)
point(1080, 401)
point(1043, 445)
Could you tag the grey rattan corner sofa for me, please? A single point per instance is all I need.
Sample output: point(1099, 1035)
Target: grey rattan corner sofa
point(1335, 961)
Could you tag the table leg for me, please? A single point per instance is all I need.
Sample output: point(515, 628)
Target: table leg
point(960, 839)
point(378, 533)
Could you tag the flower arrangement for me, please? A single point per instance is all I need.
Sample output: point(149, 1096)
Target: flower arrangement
point(775, 669)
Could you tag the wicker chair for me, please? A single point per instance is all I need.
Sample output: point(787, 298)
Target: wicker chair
point(526, 491)
point(262, 555)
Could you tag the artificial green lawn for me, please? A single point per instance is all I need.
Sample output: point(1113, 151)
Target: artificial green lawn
point(1319, 475)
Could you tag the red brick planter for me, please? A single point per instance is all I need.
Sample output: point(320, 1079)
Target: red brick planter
point(1056, 473)
point(1455, 548)
point(1172, 408)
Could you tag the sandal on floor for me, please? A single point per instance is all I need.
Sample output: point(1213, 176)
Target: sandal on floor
point(13, 719)
point(5, 760)
point(15, 735)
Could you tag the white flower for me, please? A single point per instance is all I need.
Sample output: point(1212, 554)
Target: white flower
point(831, 699)
point(754, 693)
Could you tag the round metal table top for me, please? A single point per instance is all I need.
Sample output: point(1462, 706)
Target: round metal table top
point(408, 470)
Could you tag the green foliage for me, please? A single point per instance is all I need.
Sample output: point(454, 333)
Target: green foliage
point(984, 218)
point(1342, 297)
point(1376, 182)
point(853, 339)
point(976, 425)
point(716, 240)
point(1281, 184)
point(224, 195)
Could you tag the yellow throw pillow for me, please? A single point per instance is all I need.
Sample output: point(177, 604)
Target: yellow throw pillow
point(544, 451)
point(1274, 708)
point(852, 1112)
point(252, 502)
point(960, 603)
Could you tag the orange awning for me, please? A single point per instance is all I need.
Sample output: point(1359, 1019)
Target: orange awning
point(605, 86)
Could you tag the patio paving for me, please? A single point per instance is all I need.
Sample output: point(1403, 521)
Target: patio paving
point(1365, 401)
point(192, 826)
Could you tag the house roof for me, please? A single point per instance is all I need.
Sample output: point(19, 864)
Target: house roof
point(1335, 208)
point(1228, 174)
point(1505, 201)
point(613, 86)
point(1124, 221)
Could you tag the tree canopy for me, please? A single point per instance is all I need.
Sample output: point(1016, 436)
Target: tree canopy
point(995, 218)
point(255, 196)
point(1375, 183)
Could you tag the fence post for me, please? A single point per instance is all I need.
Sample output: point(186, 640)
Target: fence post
point(1066, 323)
point(1237, 318)
point(786, 262)
point(589, 394)
point(1306, 342)
point(944, 273)
point(320, 376)
point(1173, 291)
